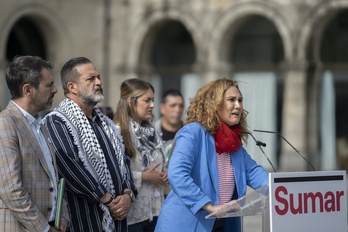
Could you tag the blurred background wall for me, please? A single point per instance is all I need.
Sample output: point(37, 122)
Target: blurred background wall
point(290, 56)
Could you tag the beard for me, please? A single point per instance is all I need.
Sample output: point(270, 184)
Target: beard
point(40, 105)
point(91, 98)
point(49, 102)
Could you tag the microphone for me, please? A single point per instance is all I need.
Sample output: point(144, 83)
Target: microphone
point(259, 144)
point(273, 132)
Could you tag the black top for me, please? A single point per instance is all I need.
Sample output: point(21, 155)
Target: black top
point(167, 135)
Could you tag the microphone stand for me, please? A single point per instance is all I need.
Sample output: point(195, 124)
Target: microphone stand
point(273, 132)
point(259, 144)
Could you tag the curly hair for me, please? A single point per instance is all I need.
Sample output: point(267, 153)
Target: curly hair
point(208, 101)
point(131, 90)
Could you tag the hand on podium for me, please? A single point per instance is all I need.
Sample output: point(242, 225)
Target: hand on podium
point(222, 209)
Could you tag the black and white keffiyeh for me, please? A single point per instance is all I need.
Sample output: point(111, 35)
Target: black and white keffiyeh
point(90, 151)
point(147, 141)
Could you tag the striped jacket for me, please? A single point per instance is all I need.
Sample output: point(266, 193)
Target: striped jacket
point(83, 191)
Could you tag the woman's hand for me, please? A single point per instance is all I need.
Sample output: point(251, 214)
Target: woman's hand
point(165, 176)
point(152, 176)
point(212, 208)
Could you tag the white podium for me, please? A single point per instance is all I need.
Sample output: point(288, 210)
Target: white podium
point(295, 201)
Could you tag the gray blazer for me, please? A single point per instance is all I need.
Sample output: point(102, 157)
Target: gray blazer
point(26, 188)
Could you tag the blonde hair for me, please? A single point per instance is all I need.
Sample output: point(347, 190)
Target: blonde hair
point(208, 101)
point(131, 90)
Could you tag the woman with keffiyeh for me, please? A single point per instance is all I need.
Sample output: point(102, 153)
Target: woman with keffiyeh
point(144, 146)
point(209, 166)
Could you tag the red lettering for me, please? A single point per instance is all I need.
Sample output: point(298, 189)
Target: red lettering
point(339, 194)
point(299, 208)
point(306, 196)
point(330, 201)
point(281, 200)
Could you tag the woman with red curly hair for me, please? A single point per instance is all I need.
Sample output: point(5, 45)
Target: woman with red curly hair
point(209, 166)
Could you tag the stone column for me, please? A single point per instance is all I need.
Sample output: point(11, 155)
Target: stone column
point(294, 117)
point(3, 89)
point(313, 83)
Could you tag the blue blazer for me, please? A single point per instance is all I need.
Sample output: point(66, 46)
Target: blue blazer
point(194, 178)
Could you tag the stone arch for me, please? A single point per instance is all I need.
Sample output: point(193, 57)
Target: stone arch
point(141, 30)
point(160, 33)
point(52, 29)
point(50, 25)
point(313, 27)
point(230, 18)
point(25, 38)
point(310, 34)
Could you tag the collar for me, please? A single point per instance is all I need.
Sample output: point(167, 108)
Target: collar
point(30, 118)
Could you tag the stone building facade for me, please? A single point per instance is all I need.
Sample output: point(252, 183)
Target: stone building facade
point(291, 54)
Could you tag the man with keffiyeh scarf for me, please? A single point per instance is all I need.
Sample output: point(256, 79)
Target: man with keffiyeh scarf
point(90, 153)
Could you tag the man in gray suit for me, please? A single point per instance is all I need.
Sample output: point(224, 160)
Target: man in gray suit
point(28, 173)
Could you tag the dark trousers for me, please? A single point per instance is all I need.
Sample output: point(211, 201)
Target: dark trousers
point(219, 225)
point(144, 226)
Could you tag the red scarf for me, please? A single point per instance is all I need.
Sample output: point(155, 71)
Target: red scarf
point(226, 139)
